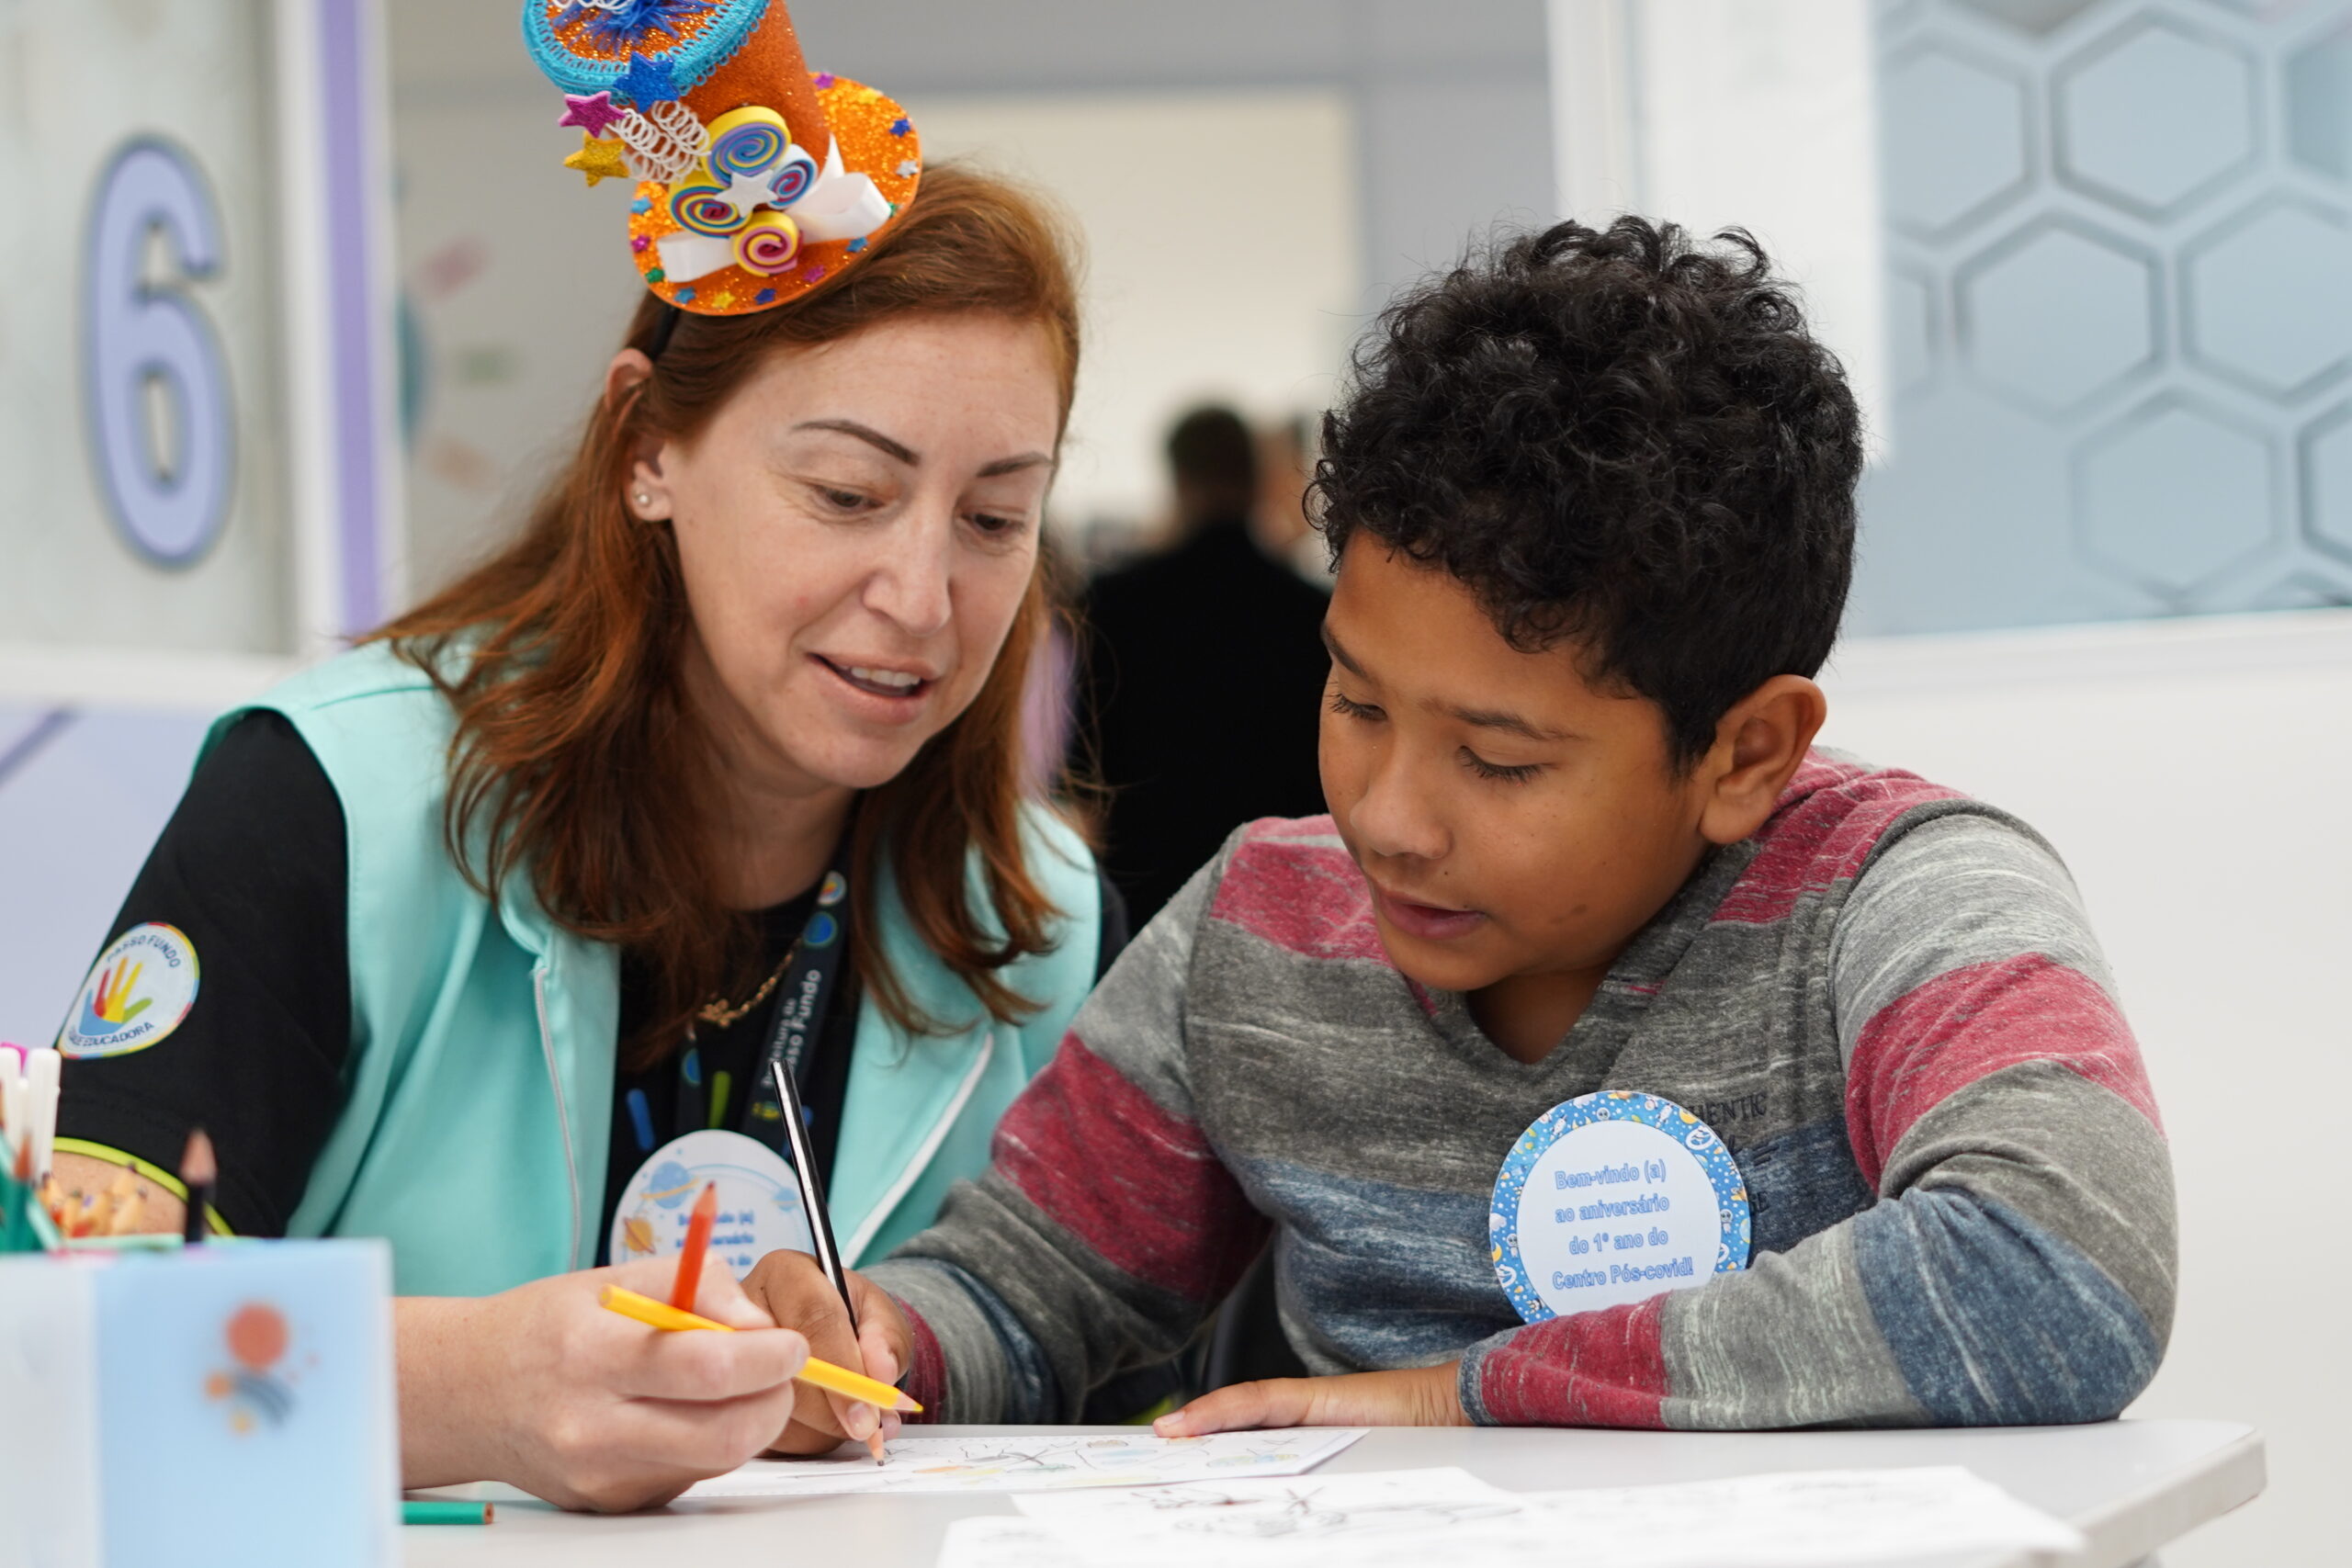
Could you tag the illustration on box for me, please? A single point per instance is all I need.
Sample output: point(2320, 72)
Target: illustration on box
point(257, 1386)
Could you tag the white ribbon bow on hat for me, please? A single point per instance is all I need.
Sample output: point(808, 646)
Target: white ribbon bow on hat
point(837, 205)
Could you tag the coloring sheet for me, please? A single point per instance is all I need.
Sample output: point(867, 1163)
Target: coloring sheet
point(1237, 1524)
point(1418, 1517)
point(1012, 1463)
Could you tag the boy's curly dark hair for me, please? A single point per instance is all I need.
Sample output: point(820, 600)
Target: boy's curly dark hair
point(1620, 439)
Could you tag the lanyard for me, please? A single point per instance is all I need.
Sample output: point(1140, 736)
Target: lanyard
point(802, 998)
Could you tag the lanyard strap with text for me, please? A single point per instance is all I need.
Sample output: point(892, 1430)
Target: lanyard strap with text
point(800, 1005)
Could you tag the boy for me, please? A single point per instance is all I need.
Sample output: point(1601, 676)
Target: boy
point(1592, 503)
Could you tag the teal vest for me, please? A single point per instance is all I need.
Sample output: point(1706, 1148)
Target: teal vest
point(478, 1090)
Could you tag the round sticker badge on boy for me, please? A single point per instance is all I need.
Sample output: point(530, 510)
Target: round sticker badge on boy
point(1614, 1197)
point(759, 1201)
point(138, 992)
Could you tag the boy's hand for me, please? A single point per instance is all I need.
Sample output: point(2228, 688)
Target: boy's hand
point(1423, 1396)
point(794, 1290)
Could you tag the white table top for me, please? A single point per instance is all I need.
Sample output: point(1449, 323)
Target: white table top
point(2130, 1487)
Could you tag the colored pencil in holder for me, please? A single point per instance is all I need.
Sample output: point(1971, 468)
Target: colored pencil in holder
point(198, 1171)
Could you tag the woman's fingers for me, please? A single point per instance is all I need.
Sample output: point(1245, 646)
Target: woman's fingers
point(706, 1438)
point(594, 1410)
point(703, 1365)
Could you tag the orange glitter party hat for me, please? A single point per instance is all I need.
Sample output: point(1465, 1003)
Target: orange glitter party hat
point(756, 180)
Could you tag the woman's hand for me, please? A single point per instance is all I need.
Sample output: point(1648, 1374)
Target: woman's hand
point(543, 1388)
point(796, 1292)
point(1423, 1396)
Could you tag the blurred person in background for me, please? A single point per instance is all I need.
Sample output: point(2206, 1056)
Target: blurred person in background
point(1287, 467)
point(1201, 666)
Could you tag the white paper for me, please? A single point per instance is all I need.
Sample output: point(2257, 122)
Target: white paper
point(1037, 1463)
point(1418, 1517)
point(1796, 1519)
point(993, 1540)
point(1274, 1521)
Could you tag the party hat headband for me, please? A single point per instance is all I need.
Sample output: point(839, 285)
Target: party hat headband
point(756, 180)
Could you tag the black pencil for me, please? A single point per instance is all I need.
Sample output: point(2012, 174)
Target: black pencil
point(812, 1202)
point(198, 1171)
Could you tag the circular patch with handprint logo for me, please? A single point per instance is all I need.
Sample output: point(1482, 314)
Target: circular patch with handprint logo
point(138, 992)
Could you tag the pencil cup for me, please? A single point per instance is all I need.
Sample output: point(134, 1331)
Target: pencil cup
point(227, 1405)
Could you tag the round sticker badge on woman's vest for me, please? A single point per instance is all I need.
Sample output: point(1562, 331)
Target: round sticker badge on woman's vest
point(759, 1201)
point(1614, 1197)
point(137, 993)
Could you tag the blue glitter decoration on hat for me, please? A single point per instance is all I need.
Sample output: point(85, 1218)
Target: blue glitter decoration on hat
point(619, 22)
point(726, 24)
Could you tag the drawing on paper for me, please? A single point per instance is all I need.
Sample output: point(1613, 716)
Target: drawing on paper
point(1025, 1463)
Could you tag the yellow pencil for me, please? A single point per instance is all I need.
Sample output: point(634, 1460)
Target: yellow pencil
point(820, 1374)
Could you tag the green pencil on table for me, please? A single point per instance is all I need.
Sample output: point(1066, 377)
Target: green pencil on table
point(445, 1511)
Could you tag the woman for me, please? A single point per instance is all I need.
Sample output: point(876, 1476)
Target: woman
point(504, 919)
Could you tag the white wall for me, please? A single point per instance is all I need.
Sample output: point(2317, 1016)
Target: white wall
point(2193, 774)
point(1221, 257)
point(1758, 114)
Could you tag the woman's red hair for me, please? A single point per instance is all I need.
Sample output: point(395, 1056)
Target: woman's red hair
point(577, 759)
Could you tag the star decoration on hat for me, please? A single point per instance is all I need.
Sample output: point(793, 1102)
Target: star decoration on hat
point(598, 159)
point(647, 82)
point(593, 114)
point(750, 188)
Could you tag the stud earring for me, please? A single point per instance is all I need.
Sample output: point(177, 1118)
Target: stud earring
point(644, 499)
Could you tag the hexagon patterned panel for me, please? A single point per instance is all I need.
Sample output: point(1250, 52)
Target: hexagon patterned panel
point(2119, 311)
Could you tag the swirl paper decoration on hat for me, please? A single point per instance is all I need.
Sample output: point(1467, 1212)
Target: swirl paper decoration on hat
point(702, 206)
point(757, 179)
point(768, 244)
point(747, 141)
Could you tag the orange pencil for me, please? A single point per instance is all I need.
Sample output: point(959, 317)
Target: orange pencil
point(681, 1294)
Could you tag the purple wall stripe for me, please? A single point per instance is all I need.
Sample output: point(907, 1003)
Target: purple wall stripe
point(352, 268)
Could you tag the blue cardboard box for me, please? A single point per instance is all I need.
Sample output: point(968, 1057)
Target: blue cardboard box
point(228, 1404)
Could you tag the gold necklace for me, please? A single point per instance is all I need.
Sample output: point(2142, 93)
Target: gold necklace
point(720, 1014)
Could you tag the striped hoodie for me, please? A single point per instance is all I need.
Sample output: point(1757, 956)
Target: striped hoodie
point(1888, 1002)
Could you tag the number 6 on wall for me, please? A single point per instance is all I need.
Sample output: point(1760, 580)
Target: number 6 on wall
point(165, 475)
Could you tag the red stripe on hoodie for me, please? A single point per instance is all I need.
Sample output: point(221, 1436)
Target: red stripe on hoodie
point(1596, 1369)
point(1140, 1187)
point(1970, 1023)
